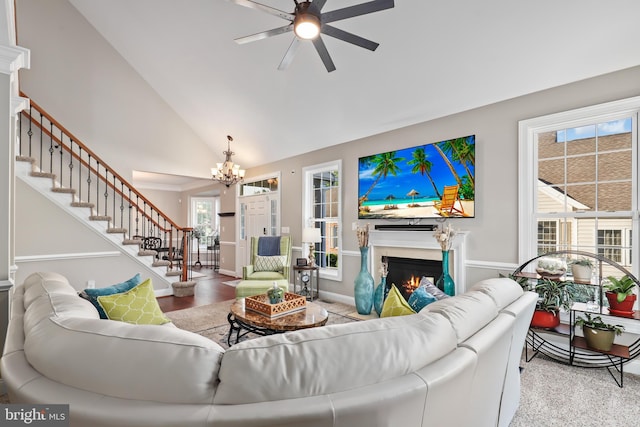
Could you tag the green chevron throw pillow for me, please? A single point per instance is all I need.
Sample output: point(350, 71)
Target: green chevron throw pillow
point(138, 306)
point(269, 263)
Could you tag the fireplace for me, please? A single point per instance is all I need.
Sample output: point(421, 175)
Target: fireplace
point(406, 273)
point(418, 245)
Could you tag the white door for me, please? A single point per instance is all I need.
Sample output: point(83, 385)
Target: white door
point(257, 219)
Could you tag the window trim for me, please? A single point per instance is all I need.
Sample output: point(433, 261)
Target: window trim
point(528, 159)
point(307, 211)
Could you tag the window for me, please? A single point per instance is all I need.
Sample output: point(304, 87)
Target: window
point(610, 244)
point(579, 182)
point(322, 209)
point(547, 236)
point(266, 185)
point(204, 217)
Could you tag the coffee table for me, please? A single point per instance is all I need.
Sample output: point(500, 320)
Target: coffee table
point(243, 321)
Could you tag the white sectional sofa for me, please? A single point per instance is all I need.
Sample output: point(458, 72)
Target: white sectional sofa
point(456, 363)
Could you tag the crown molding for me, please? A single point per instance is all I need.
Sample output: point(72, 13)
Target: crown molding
point(13, 58)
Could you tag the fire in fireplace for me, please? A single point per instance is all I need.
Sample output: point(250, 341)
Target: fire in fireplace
point(406, 273)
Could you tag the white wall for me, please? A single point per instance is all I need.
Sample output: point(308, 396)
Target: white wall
point(49, 239)
point(79, 78)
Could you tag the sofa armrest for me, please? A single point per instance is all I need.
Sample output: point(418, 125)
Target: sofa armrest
point(247, 270)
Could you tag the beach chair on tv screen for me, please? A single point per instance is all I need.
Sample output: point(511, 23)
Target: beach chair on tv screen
point(447, 206)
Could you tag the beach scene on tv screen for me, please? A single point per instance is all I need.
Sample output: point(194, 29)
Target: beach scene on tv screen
point(433, 180)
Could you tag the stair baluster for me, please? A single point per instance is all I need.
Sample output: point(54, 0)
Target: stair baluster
point(151, 222)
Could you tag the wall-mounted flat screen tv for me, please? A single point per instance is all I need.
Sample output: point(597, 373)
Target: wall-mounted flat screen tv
point(433, 180)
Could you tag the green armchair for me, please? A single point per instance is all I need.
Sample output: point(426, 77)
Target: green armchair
point(276, 267)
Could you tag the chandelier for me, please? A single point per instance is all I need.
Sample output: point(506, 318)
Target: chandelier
point(227, 173)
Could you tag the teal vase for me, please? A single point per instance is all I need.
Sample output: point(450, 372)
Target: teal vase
point(379, 295)
point(363, 284)
point(445, 282)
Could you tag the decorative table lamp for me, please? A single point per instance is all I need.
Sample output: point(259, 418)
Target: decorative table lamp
point(311, 236)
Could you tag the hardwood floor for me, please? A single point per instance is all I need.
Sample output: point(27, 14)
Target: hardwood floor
point(208, 290)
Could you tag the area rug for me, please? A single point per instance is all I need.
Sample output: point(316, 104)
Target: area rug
point(210, 321)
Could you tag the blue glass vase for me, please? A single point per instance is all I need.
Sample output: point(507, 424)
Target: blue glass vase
point(363, 284)
point(445, 282)
point(379, 295)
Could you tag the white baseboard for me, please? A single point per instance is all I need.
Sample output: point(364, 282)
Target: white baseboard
point(163, 292)
point(332, 296)
point(228, 273)
point(633, 367)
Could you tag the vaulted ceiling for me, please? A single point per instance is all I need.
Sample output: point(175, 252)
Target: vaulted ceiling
point(435, 58)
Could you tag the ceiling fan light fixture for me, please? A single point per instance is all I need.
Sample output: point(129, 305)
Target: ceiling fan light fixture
point(307, 23)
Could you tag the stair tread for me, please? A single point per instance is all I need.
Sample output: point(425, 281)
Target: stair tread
point(116, 230)
point(100, 218)
point(64, 190)
point(82, 204)
point(43, 175)
point(26, 159)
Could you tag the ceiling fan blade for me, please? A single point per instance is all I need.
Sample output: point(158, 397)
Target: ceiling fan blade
point(291, 52)
point(319, 4)
point(356, 10)
point(264, 34)
point(324, 54)
point(268, 9)
point(349, 37)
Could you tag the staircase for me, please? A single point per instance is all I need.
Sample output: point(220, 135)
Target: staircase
point(61, 168)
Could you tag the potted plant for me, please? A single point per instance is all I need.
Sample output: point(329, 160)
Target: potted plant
point(620, 295)
point(552, 296)
point(582, 269)
point(275, 294)
point(597, 334)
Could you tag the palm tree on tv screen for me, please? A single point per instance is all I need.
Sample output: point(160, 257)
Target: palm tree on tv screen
point(423, 165)
point(459, 150)
point(384, 164)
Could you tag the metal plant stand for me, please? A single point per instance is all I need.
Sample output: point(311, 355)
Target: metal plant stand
point(562, 343)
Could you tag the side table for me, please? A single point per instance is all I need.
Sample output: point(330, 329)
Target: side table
point(304, 276)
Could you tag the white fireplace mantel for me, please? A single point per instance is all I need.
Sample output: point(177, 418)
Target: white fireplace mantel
point(422, 240)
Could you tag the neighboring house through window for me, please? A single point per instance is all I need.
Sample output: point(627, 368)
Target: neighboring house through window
point(579, 182)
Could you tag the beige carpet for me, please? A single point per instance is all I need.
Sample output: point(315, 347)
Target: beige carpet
point(554, 394)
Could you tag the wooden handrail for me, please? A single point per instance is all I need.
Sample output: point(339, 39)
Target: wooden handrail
point(93, 155)
point(140, 198)
point(104, 179)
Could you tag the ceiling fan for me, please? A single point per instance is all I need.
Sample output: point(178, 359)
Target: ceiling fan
point(307, 23)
